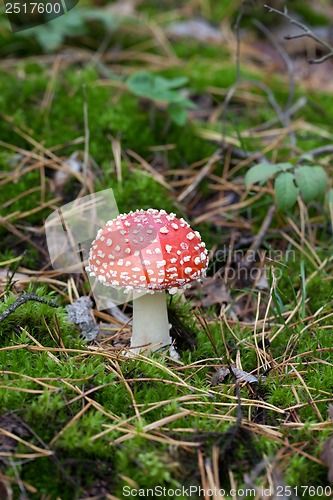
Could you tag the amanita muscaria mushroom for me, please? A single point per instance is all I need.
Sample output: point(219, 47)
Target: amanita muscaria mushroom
point(148, 251)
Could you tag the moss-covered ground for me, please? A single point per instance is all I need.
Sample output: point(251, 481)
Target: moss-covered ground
point(81, 420)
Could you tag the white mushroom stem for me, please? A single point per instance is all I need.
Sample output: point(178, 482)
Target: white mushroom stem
point(150, 322)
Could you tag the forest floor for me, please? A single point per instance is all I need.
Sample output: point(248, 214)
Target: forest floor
point(204, 109)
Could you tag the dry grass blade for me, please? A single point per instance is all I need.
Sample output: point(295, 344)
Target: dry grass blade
point(129, 434)
point(152, 406)
point(50, 354)
point(71, 422)
point(33, 379)
point(145, 165)
point(13, 480)
point(207, 169)
point(40, 452)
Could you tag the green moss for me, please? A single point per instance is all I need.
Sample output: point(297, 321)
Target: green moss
point(138, 190)
point(117, 389)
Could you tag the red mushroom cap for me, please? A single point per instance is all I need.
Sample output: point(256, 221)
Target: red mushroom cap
point(147, 250)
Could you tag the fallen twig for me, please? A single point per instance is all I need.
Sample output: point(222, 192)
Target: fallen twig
point(261, 234)
point(306, 33)
point(22, 300)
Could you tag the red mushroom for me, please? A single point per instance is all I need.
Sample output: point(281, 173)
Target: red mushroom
point(148, 252)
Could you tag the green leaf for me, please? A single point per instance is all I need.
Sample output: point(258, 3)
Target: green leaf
point(178, 114)
point(73, 23)
point(329, 198)
point(49, 39)
point(145, 84)
point(283, 167)
point(164, 95)
point(140, 83)
point(322, 179)
point(109, 19)
point(186, 103)
point(260, 173)
point(286, 191)
point(312, 182)
point(157, 88)
point(171, 83)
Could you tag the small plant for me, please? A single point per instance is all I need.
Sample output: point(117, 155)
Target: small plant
point(329, 198)
point(165, 90)
point(73, 24)
point(290, 181)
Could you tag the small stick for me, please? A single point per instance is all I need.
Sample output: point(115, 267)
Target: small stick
point(22, 300)
point(306, 33)
point(86, 138)
point(10, 281)
point(321, 150)
point(290, 68)
point(262, 231)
